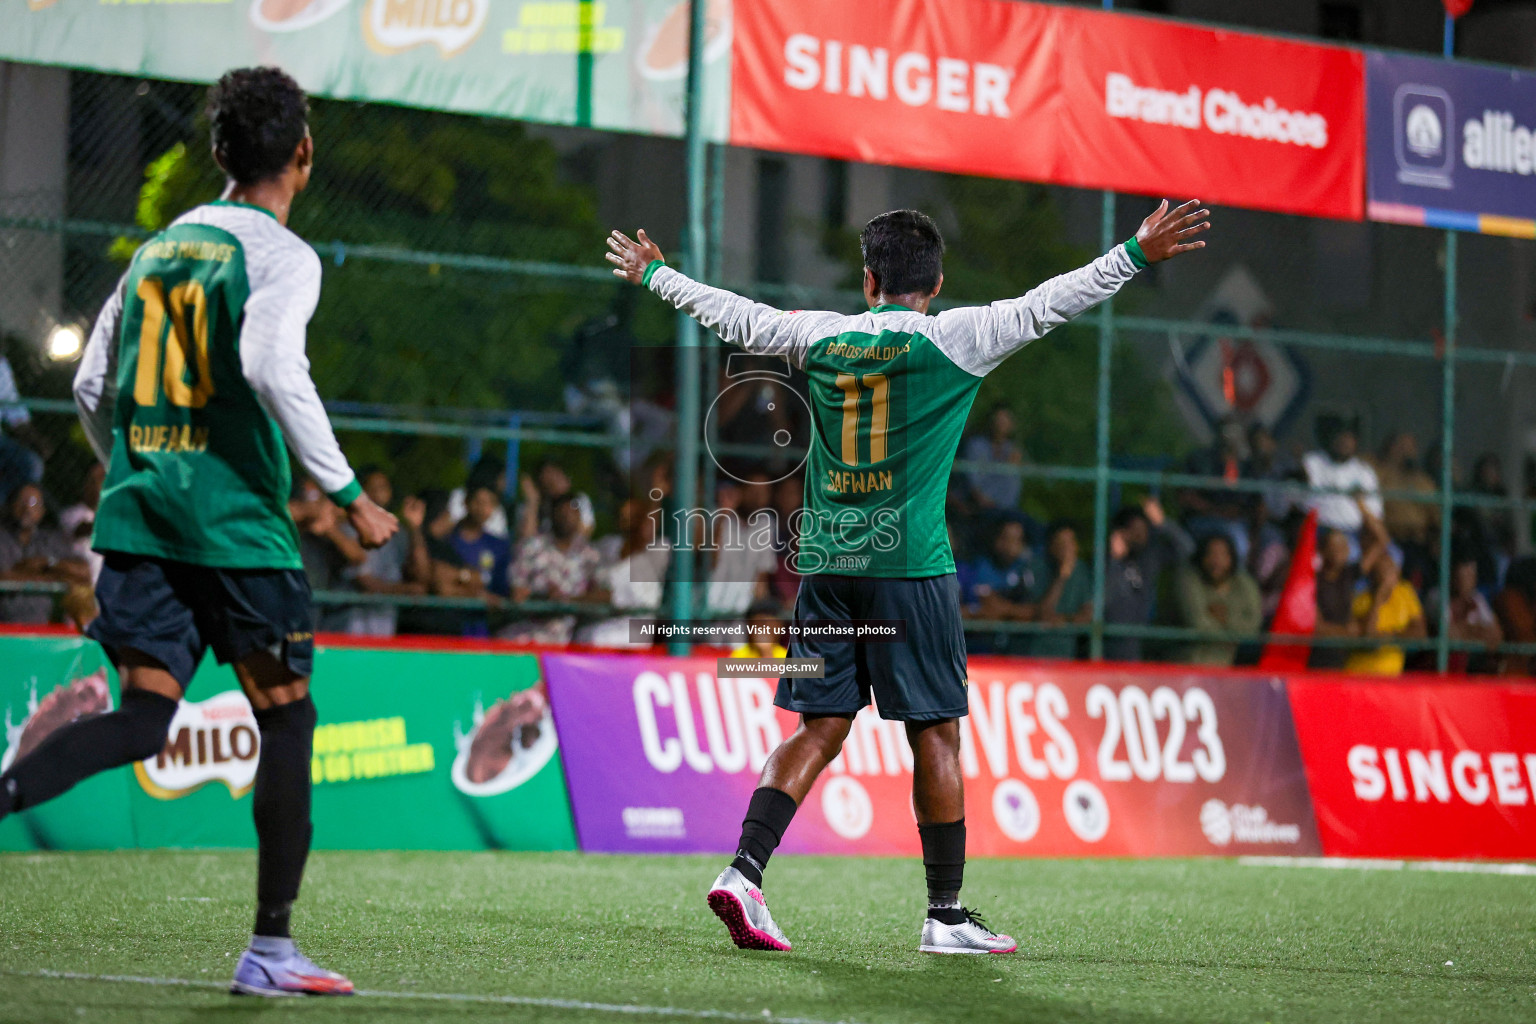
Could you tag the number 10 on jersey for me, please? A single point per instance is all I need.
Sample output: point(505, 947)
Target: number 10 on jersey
point(186, 307)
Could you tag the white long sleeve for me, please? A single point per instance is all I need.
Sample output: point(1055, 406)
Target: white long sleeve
point(979, 338)
point(95, 385)
point(758, 328)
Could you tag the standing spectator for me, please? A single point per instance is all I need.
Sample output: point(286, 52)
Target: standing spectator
point(1337, 468)
point(1411, 524)
point(996, 587)
point(1496, 525)
point(1268, 464)
point(1142, 543)
point(1219, 509)
point(478, 548)
point(1472, 619)
point(1216, 596)
point(744, 557)
point(636, 579)
point(21, 442)
point(1062, 594)
point(32, 552)
point(1269, 560)
point(1516, 609)
point(996, 445)
point(79, 520)
point(433, 560)
point(326, 550)
point(387, 569)
point(556, 566)
point(1388, 610)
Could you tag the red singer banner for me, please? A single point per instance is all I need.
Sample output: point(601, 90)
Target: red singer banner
point(662, 754)
point(1044, 93)
point(1411, 769)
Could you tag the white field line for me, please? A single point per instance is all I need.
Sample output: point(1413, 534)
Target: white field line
point(627, 1009)
point(1364, 864)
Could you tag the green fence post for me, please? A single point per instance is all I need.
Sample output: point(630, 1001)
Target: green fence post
point(1447, 422)
point(695, 264)
point(1101, 459)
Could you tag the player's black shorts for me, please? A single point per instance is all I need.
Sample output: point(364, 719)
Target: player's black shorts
point(920, 679)
point(174, 612)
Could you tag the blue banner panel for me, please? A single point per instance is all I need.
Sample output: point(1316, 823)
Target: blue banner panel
point(1451, 145)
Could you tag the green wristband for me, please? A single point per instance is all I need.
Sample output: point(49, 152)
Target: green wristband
point(348, 494)
point(650, 272)
point(1133, 249)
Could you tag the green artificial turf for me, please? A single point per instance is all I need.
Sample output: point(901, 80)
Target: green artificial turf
point(1104, 941)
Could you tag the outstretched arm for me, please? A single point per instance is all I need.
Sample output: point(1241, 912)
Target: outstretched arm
point(979, 338)
point(753, 326)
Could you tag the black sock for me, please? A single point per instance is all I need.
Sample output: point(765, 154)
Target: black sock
point(135, 731)
point(944, 864)
point(768, 814)
point(280, 805)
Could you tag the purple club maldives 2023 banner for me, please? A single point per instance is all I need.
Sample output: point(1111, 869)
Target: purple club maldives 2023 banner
point(1451, 145)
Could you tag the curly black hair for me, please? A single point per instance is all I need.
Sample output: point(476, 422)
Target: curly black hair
point(257, 117)
point(904, 251)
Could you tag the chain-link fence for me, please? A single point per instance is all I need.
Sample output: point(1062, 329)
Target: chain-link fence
point(468, 334)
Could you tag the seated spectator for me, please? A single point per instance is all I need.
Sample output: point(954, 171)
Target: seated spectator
point(478, 548)
point(1267, 463)
point(1216, 596)
point(435, 560)
point(79, 520)
point(560, 565)
point(996, 587)
point(995, 444)
point(1351, 484)
point(33, 552)
point(1142, 543)
point(765, 633)
point(1471, 620)
point(386, 569)
point(743, 559)
point(489, 472)
point(636, 579)
point(1515, 606)
point(1338, 579)
point(549, 483)
point(1062, 594)
point(1388, 609)
point(1218, 509)
point(325, 549)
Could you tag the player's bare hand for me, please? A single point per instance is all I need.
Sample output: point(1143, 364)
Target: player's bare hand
point(630, 258)
point(1167, 233)
point(374, 525)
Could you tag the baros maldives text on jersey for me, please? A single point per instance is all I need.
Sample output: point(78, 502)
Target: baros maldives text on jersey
point(890, 393)
point(203, 344)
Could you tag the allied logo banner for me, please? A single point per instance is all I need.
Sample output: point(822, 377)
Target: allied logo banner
point(1420, 769)
point(661, 755)
point(1056, 94)
point(1451, 145)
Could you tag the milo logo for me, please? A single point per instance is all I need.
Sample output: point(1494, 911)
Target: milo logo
point(210, 741)
point(391, 26)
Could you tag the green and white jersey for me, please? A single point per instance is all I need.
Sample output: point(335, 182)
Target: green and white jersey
point(193, 378)
point(890, 390)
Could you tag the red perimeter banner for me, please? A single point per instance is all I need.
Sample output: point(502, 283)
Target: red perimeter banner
point(1059, 760)
point(1056, 94)
point(1410, 769)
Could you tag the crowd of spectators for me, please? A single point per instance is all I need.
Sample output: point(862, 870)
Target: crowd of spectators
point(529, 563)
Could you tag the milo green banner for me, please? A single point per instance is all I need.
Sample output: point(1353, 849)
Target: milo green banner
point(415, 750)
point(614, 64)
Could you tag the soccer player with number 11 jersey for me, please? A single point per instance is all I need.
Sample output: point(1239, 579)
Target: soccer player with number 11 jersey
point(890, 392)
